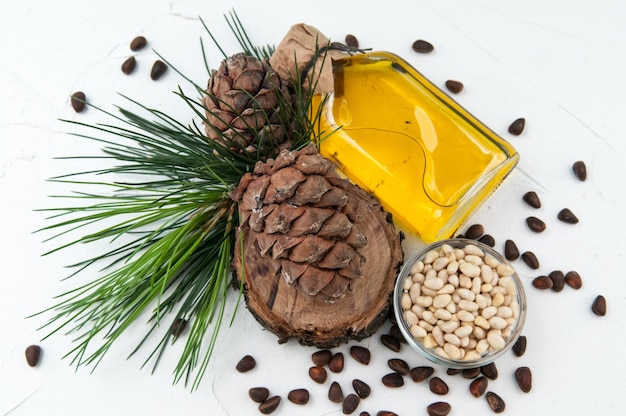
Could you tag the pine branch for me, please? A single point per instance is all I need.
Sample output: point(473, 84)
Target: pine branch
point(164, 202)
point(183, 226)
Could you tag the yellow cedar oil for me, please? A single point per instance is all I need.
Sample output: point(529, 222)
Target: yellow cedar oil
point(396, 135)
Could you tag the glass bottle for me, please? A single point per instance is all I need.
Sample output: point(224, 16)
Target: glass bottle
point(396, 135)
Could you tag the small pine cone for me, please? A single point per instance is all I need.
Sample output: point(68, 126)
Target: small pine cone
point(304, 222)
point(248, 106)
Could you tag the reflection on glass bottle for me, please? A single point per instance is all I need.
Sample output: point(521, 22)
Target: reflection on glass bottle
point(426, 159)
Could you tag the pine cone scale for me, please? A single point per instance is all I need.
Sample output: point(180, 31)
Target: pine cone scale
point(255, 192)
point(336, 287)
point(234, 101)
point(249, 80)
point(248, 119)
point(220, 84)
point(281, 217)
point(310, 222)
point(266, 99)
point(338, 257)
point(312, 190)
point(313, 280)
point(337, 226)
point(335, 197)
point(265, 242)
point(292, 271)
point(283, 243)
point(283, 185)
point(220, 120)
point(353, 270)
point(310, 250)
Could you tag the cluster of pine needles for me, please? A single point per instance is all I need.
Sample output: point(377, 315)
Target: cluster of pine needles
point(173, 228)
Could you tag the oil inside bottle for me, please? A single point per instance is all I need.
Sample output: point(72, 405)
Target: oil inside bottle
point(395, 134)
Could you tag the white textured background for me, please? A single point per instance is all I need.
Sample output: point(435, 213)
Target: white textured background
point(560, 64)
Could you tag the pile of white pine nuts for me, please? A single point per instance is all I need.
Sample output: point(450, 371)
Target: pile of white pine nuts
point(460, 302)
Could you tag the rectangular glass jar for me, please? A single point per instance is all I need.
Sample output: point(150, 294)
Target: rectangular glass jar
point(396, 135)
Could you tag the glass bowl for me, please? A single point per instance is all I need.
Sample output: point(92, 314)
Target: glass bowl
point(459, 303)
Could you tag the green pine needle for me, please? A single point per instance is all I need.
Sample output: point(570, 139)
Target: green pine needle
point(176, 234)
point(172, 231)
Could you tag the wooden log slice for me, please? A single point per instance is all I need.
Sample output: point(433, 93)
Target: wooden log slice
point(288, 313)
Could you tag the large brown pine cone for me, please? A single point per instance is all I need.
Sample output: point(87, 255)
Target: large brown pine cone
point(248, 106)
point(302, 219)
point(317, 255)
